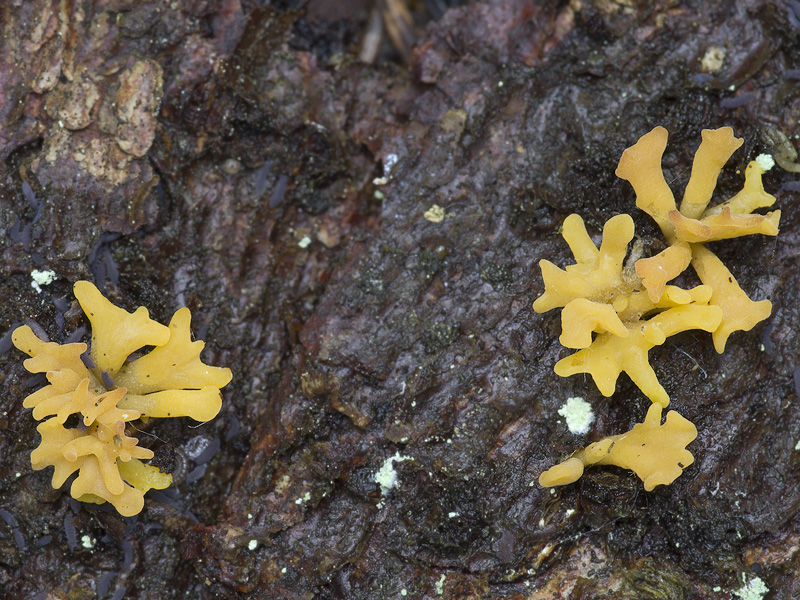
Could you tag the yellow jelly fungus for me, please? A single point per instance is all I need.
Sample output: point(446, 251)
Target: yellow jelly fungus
point(614, 313)
point(610, 316)
point(655, 452)
point(641, 166)
point(656, 271)
point(597, 274)
point(116, 333)
point(696, 223)
point(716, 148)
point(609, 308)
point(609, 354)
point(586, 317)
point(739, 313)
point(170, 380)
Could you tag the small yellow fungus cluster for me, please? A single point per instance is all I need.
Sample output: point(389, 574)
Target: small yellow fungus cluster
point(615, 311)
point(105, 392)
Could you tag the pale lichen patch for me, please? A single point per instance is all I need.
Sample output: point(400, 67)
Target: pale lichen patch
point(386, 476)
point(40, 278)
point(755, 589)
point(578, 414)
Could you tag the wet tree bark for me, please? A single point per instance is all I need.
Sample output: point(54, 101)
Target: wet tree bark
point(359, 242)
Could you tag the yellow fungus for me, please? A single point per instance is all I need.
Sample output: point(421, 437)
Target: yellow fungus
point(609, 355)
point(581, 317)
point(601, 297)
point(170, 380)
point(696, 223)
point(116, 333)
point(716, 148)
point(597, 274)
point(655, 452)
point(610, 311)
point(563, 473)
point(656, 271)
point(641, 166)
point(739, 313)
point(613, 315)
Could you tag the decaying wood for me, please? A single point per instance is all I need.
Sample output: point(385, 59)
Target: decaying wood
point(242, 161)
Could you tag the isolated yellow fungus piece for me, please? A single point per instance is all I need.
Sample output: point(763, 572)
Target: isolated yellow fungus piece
point(656, 453)
point(170, 380)
point(94, 455)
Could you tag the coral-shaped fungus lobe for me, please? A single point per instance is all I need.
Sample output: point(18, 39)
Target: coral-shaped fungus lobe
point(597, 274)
point(656, 453)
point(169, 381)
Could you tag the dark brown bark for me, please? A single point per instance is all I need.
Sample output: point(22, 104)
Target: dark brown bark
point(241, 161)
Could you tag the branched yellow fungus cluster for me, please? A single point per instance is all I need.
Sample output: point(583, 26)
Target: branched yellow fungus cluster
point(600, 296)
point(614, 312)
point(105, 392)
